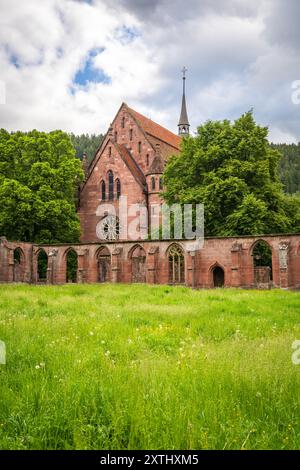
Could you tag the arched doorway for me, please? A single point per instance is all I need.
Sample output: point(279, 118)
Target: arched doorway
point(218, 276)
point(104, 264)
point(42, 266)
point(176, 265)
point(19, 265)
point(262, 264)
point(71, 266)
point(138, 260)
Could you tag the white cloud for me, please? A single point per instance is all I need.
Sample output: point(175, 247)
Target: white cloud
point(233, 51)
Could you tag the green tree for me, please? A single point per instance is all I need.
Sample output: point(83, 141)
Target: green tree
point(39, 177)
point(289, 167)
point(232, 169)
point(87, 144)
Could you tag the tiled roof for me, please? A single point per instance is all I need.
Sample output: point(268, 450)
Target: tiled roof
point(132, 165)
point(154, 129)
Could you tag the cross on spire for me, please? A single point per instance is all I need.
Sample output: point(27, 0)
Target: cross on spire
point(183, 125)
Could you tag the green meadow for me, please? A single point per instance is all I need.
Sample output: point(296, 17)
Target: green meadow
point(148, 367)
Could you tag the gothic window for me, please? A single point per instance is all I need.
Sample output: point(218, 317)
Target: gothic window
point(110, 185)
point(116, 136)
point(118, 182)
point(71, 266)
point(123, 122)
point(176, 265)
point(130, 134)
point(42, 265)
point(139, 147)
point(18, 273)
point(103, 191)
point(138, 258)
point(147, 159)
point(109, 151)
point(104, 264)
point(160, 183)
point(108, 228)
point(262, 262)
point(153, 183)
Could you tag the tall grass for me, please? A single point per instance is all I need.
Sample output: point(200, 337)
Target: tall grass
point(148, 367)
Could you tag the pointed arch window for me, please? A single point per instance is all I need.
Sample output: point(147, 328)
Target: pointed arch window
point(130, 134)
point(118, 183)
point(161, 185)
point(153, 183)
point(103, 190)
point(123, 122)
point(110, 185)
point(147, 159)
point(176, 265)
point(140, 147)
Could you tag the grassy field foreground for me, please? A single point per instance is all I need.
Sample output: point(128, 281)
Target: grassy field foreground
point(141, 367)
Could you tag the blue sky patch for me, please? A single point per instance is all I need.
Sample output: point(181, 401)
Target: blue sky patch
point(89, 73)
point(126, 34)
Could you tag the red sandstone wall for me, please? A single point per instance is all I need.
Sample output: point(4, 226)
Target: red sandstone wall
point(234, 255)
point(7, 271)
point(91, 193)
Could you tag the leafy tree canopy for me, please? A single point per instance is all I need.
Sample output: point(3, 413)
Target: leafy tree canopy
point(289, 166)
point(232, 169)
point(87, 144)
point(39, 177)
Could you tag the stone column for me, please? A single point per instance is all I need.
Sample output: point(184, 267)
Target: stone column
point(190, 269)
point(82, 254)
point(52, 256)
point(283, 256)
point(151, 277)
point(116, 264)
point(236, 271)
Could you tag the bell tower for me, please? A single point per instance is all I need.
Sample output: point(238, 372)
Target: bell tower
point(183, 125)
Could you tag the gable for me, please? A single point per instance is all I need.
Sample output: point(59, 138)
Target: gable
point(139, 139)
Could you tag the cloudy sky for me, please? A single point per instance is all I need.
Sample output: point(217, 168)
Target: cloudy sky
point(69, 64)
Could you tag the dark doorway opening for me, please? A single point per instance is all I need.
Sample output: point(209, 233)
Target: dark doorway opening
point(42, 265)
point(218, 276)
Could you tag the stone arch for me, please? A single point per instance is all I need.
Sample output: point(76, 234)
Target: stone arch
point(103, 258)
point(262, 254)
point(42, 266)
point(217, 275)
point(19, 265)
point(137, 255)
point(71, 265)
point(176, 262)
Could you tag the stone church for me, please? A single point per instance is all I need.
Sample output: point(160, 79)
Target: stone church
point(130, 162)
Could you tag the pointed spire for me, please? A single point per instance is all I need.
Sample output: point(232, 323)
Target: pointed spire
point(183, 125)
